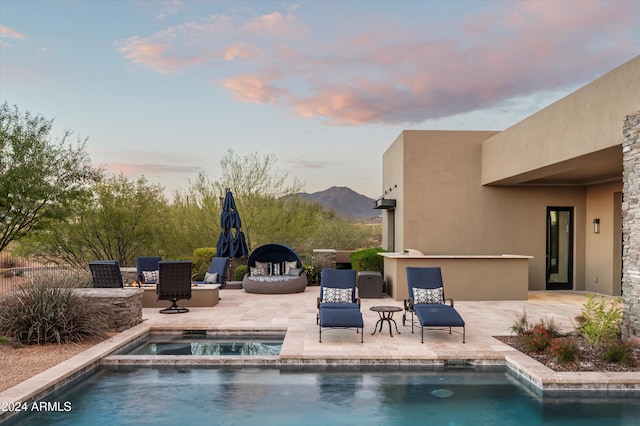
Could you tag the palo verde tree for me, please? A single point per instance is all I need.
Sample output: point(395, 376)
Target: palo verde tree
point(124, 219)
point(39, 178)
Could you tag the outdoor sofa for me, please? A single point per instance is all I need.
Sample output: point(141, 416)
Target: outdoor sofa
point(274, 269)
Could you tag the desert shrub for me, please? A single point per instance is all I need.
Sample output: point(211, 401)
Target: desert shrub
point(49, 309)
point(313, 273)
point(201, 261)
point(521, 325)
point(238, 274)
point(538, 339)
point(600, 320)
point(564, 350)
point(619, 351)
point(368, 260)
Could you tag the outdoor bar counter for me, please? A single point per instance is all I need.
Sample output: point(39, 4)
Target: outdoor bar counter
point(465, 277)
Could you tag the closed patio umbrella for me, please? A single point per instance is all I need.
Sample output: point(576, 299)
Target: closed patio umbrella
point(231, 242)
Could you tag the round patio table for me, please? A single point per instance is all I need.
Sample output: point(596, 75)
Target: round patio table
point(386, 315)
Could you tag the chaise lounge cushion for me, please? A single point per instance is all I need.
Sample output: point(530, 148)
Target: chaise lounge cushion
point(438, 315)
point(334, 315)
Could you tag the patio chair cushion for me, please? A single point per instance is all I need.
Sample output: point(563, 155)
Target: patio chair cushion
point(150, 276)
point(210, 278)
point(343, 317)
point(337, 295)
point(438, 315)
point(428, 295)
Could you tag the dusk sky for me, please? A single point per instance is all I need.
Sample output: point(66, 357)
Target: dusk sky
point(165, 88)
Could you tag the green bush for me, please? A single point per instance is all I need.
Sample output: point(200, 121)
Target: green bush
point(619, 352)
point(601, 319)
point(238, 274)
point(368, 260)
point(201, 261)
point(49, 309)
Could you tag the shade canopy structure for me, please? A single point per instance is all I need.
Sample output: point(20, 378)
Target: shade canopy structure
point(231, 242)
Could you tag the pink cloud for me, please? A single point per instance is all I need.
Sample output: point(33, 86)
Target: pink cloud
point(252, 89)
point(159, 56)
point(10, 33)
point(241, 50)
point(369, 72)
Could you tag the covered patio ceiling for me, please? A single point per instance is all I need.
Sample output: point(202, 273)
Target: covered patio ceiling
point(590, 169)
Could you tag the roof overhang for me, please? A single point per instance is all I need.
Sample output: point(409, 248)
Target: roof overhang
point(385, 204)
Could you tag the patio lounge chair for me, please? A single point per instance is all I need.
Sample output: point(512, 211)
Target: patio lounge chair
point(338, 306)
point(147, 269)
point(174, 283)
point(427, 301)
point(106, 274)
point(218, 266)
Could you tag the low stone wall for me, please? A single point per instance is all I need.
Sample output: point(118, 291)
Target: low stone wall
point(123, 306)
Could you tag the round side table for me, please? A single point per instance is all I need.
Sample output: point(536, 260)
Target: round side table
point(386, 315)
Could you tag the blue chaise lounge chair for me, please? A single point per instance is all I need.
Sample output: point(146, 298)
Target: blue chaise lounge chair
point(338, 306)
point(427, 301)
point(217, 272)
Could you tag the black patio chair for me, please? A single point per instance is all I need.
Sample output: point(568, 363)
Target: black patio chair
point(106, 274)
point(174, 283)
point(427, 301)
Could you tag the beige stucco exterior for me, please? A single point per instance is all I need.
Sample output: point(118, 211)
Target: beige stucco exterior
point(487, 192)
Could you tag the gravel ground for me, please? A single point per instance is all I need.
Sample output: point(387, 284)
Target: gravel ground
point(19, 363)
point(590, 358)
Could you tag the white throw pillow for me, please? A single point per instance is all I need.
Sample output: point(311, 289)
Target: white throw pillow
point(289, 266)
point(211, 278)
point(150, 276)
point(428, 295)
point(336, 295)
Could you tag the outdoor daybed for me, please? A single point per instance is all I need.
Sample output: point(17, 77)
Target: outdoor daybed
point(274, 269)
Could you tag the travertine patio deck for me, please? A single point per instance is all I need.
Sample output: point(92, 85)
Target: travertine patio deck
point(296, 313)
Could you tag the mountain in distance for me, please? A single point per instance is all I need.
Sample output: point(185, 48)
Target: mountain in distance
point(344, 202)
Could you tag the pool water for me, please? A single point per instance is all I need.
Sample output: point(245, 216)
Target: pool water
point(265, 396)
point(203, 344)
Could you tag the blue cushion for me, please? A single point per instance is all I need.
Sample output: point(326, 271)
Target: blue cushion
point(431, 315)
point(345, 317)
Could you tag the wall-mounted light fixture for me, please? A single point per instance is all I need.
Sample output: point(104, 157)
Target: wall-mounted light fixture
point(596, 226)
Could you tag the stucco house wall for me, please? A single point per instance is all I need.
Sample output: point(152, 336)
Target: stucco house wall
point(443, 209)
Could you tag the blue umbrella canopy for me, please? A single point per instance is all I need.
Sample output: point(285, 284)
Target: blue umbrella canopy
point(230, 244)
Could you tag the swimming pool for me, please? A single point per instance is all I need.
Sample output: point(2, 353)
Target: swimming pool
point(245, 396)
